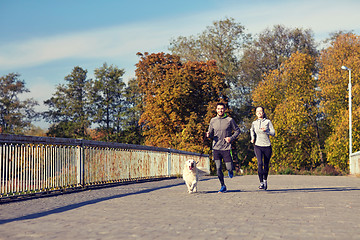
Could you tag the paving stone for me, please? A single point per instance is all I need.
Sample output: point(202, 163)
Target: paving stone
point(294, 207)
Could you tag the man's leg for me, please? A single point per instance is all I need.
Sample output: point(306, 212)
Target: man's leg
point(217, 158)
point(228, 162)
point(219, 172)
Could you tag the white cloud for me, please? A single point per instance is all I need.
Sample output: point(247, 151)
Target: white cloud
point(118, 41)
point(322, 16)
point(125, 40)
point(122, 42)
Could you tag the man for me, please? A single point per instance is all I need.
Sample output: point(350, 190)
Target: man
point(220, 130)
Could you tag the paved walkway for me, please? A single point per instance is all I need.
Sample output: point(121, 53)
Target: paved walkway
point(294, 207)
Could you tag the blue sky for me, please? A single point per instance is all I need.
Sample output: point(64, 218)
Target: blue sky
point(43, 40)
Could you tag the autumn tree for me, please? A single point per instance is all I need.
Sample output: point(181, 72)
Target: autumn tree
point(69, 106)
point(290, 98)
point(177, 99)
point(222, 42)
point(344, 50)
point(107, 100)
point(244, 60)
point(16, 115)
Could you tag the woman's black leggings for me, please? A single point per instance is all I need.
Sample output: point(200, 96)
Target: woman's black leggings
point(263, 155)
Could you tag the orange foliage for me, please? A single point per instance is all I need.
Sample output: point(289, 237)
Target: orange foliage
point(178, 99)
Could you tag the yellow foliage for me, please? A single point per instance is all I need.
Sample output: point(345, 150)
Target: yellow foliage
point(288, 95)
point(333, 81)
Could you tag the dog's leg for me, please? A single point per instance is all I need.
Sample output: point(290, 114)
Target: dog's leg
point(189, 187)
point(193, 186)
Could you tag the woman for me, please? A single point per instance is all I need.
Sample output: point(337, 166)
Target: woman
point(260, 130)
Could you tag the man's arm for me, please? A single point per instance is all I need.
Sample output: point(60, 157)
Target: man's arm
point(210, 132)
point(236, 129)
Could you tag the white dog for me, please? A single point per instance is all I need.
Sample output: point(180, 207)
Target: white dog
point(190, 175)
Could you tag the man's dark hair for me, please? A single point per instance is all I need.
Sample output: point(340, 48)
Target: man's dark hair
point(221, 104)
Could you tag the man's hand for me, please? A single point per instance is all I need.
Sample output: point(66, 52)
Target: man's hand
point(228, 139)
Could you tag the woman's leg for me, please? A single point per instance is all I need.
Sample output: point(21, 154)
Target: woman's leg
point(259, 156)
point(267, 155)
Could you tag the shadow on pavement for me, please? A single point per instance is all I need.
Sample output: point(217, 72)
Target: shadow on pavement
point(81, 204)
point(217, 192)
point(328, 189)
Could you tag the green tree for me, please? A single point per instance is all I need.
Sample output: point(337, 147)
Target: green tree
point(344, 50)
point(222, 42)
point(274, 46)
point(271, 48)
point(132, 130)
point(35, 131)
point(15, 114)
point(69, 107)
point(107, 100)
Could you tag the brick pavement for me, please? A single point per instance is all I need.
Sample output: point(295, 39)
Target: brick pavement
point(294, 207)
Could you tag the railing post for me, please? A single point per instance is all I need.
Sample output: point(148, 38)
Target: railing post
point(169, 163)
point(1, 170)
point(80, 165)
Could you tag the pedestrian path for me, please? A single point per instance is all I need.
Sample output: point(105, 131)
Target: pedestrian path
point(293, 207)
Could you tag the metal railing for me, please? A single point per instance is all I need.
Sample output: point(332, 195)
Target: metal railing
point(31, 164)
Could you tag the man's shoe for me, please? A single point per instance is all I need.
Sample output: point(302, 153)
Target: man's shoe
point(231, 174)
point(222, 189)
point(261, 186)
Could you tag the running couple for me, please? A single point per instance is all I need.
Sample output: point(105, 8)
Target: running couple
point(223, 130)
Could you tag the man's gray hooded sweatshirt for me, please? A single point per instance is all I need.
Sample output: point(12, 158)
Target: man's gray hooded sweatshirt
point(219, 129)
point(262, 138)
